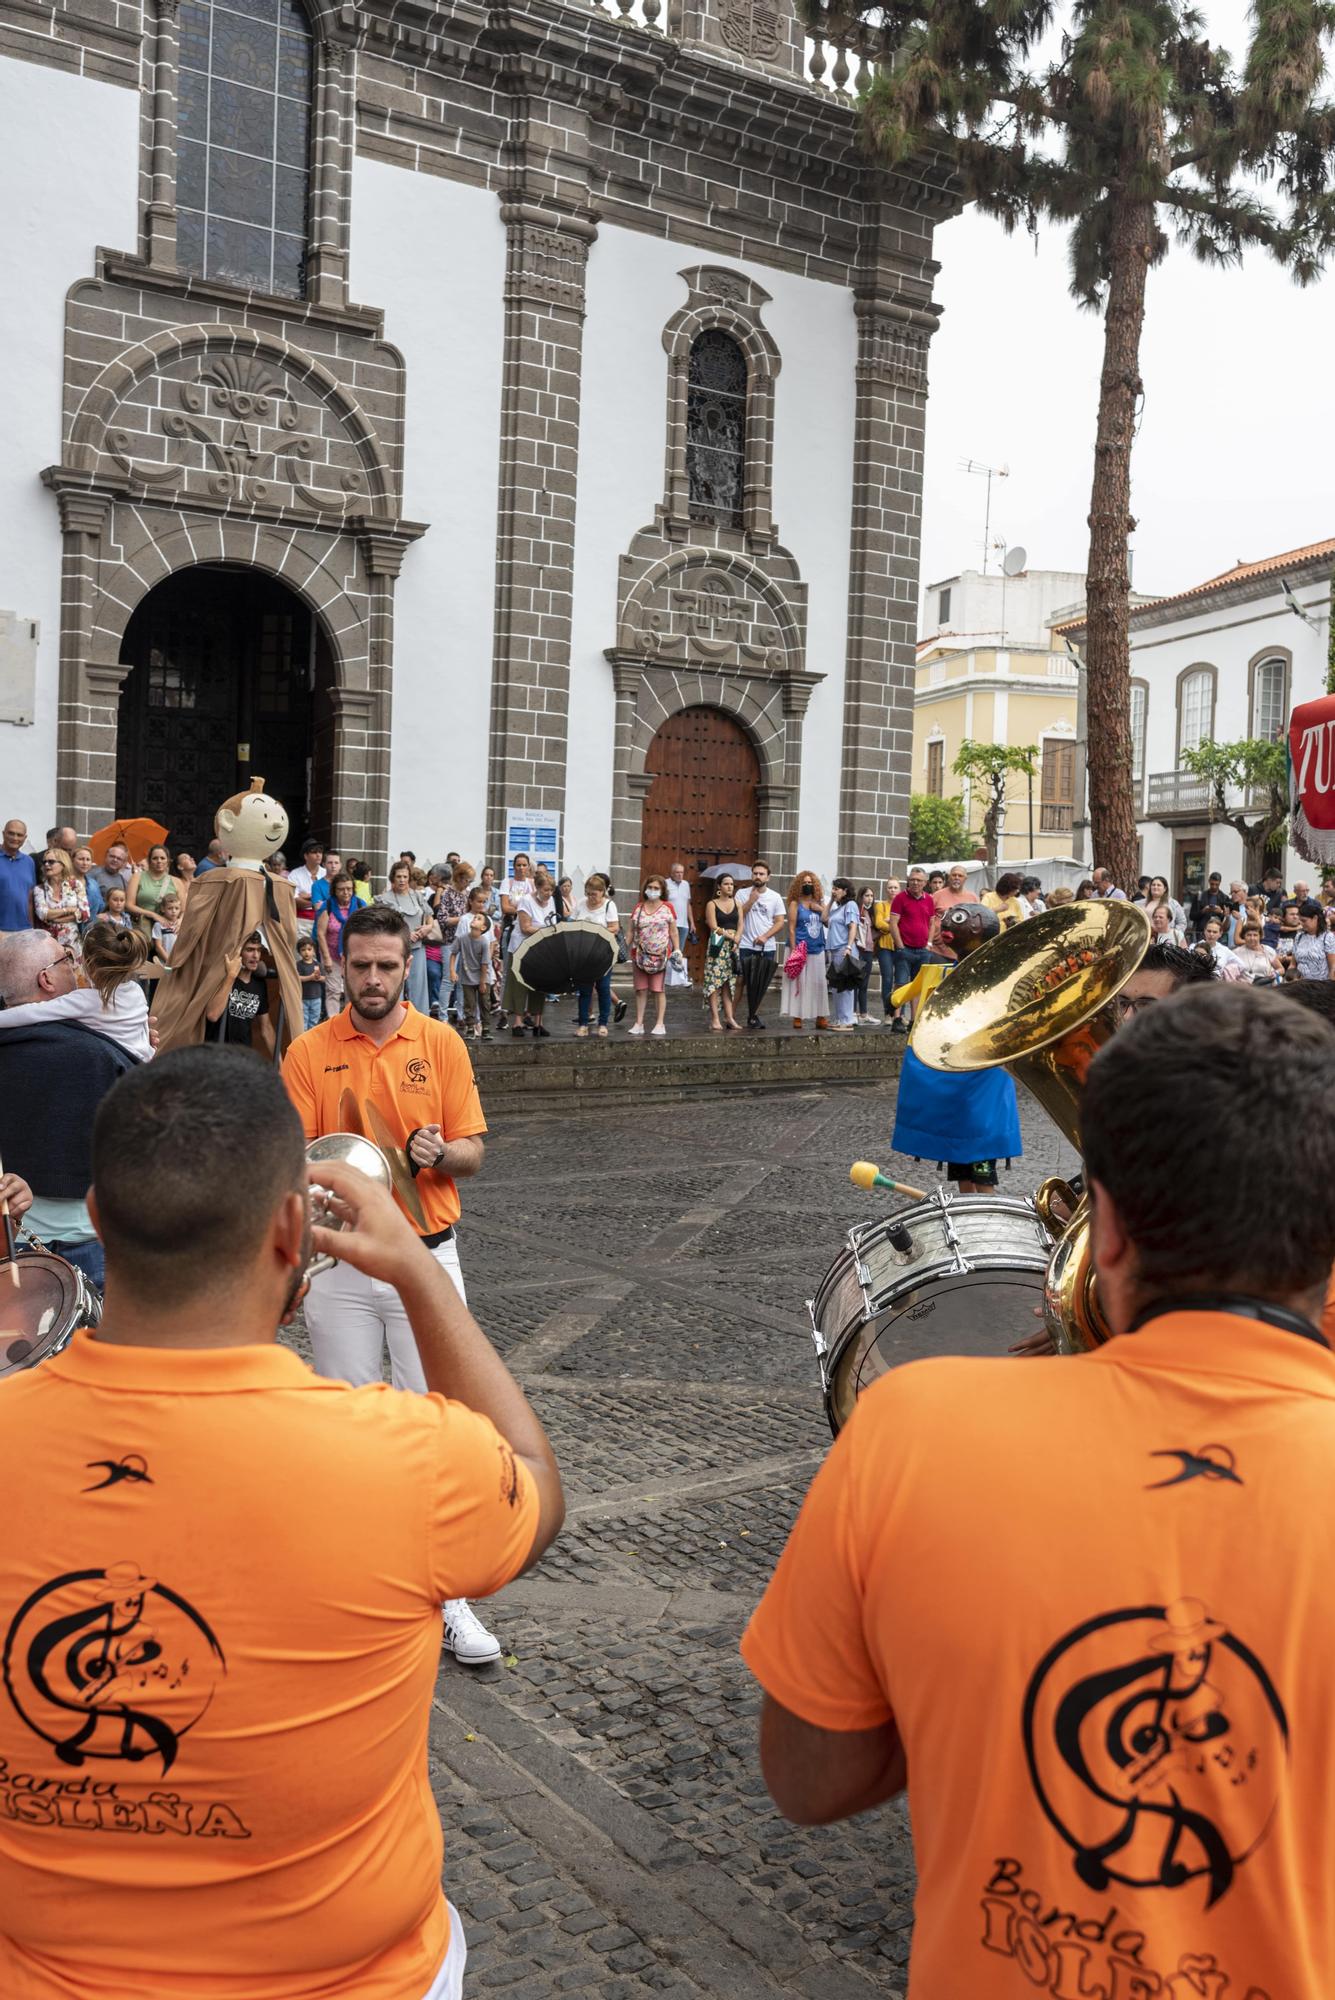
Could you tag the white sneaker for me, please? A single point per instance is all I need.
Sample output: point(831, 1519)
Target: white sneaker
point(638, 1029)
point(466, 1636)
point(659, 1030)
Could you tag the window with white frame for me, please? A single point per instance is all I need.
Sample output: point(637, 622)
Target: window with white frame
point(943, 607)
point(1269, 702)
point(1140, 697)
point(1195, 708)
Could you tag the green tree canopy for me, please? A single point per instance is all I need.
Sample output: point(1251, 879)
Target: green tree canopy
point(937, 828)
point(989, 765)
point(1259, 770)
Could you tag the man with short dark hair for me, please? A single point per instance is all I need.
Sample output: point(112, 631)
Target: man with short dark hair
point(1210, 899)
point(18, 878)
point(763, 917)
point(416, 1074)
point(221, 1614)
point(304, 879)
point(1101, 1705)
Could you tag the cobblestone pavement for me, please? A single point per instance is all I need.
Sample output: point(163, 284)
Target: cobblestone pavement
point(607, 1832)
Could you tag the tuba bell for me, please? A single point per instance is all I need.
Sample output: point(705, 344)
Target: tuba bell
point(1038, 1000)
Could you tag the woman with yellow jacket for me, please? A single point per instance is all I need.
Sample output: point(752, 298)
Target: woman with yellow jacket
point(884, 936)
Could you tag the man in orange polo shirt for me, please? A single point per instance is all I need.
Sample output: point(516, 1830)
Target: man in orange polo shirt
point(417, 1074)
point(1082, 1606)
point(219, 1599)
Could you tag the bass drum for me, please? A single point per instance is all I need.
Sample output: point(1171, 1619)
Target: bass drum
point(38, 1317)
point(958, 1274)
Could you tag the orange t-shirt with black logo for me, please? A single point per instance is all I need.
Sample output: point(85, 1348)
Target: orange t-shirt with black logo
point(420, 1076)
point(1094, 1596)
point(220, 1592)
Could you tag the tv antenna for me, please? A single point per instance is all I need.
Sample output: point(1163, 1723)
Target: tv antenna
point(988, 472)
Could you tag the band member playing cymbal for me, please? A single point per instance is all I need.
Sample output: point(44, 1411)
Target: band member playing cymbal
point(1111, 1721)
point(409, 1077)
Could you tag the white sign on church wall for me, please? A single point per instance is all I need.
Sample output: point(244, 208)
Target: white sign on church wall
point(18, 667)
point(537, 834)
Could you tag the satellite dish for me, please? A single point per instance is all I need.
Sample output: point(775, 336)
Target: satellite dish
point(1015, 559)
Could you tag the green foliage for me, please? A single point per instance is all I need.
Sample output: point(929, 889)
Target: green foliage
point(988, 765)
point(1259, 770)
point(937, 828)
point(1138, 105)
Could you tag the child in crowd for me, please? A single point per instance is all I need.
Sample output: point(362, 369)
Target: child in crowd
point(470, 961)
point(166, 927)
point(312, 982)
point(112, 1003)
point(115, 912)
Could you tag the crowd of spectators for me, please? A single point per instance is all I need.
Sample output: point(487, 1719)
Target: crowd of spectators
point(466, 925)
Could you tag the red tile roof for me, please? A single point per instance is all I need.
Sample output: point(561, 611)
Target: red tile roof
point(1241, 572)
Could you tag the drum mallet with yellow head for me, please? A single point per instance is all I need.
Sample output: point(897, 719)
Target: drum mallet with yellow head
point(866, 1174)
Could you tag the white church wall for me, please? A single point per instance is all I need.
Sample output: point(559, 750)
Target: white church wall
point(430, 253)
point(71, 145)
point(634, 288)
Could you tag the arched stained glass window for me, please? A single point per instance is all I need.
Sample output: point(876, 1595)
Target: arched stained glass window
point(716, 429)
point(243, 152)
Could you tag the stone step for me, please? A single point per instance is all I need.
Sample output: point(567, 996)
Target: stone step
point(526, 1074)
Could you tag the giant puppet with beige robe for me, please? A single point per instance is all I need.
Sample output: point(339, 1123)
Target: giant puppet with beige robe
point(225, 906)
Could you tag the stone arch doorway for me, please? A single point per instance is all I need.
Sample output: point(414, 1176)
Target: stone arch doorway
point(230, 673)
point(702, 804)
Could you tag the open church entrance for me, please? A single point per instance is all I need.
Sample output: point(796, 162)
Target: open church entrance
point(230, 673)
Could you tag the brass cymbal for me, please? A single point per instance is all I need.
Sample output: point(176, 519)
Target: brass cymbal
point(405, 1187)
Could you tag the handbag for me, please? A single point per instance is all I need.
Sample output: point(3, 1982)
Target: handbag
point(845, 978)
point(796, 960)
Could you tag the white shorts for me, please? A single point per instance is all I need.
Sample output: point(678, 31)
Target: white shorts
point(448, 1983)
point(350, 1317)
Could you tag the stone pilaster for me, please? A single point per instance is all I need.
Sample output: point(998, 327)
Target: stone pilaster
point(331, 181)
point(546, 253)
point(159, 228)
point(894, 328)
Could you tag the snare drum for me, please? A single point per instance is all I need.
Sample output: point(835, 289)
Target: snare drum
point(958, 1274)
point(39, 1317)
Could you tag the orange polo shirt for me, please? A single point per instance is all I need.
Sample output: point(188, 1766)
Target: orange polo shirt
point(1094, 1596)
point(421, 1076)
point(220, 1606)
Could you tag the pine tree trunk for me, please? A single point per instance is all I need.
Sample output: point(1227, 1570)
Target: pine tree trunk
point(1112, 809)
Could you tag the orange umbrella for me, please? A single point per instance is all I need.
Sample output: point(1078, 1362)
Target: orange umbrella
point(136, 834)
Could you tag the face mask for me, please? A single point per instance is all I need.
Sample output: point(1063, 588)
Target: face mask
point(652, 895)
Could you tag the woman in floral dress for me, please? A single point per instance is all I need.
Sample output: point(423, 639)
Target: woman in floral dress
point(60, 902)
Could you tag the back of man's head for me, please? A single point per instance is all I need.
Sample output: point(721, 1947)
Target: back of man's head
point(1203, 1121)
point(192, 1153)
point(22, 956)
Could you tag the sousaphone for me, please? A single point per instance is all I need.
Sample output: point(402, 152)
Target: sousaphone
point(1038, 1001)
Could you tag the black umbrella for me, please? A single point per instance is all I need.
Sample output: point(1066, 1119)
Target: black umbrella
point(757, 972)
point(564, 957)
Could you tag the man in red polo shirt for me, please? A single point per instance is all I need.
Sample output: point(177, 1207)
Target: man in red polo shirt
point(912, 915)
point(416, 1072)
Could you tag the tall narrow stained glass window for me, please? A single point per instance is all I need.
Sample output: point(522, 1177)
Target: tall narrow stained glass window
point(243, 152)
point(716, 430)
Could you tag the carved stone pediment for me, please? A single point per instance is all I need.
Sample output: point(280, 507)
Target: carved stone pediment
point(705, 609)
point(223, 417)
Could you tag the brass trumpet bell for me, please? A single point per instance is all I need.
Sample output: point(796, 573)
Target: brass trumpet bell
point(1038, 1000)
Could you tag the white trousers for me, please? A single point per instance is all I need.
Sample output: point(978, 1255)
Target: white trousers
point(448, 1983)
point(351, 1316)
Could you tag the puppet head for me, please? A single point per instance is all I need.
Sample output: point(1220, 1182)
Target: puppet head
point(251, 826)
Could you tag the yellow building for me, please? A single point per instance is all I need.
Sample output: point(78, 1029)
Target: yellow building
point(989, 669)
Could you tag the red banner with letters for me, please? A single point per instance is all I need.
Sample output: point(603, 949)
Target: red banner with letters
point(1312, 780)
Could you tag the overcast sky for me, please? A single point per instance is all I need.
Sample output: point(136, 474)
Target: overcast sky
point(1235, 449)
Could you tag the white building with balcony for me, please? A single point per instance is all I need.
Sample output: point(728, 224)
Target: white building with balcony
point(1226, 659)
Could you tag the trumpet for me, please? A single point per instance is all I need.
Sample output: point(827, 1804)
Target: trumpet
point(1038, 1000)
point(351, 1150)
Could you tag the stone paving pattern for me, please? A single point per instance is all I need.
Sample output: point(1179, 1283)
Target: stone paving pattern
point(606, 1829)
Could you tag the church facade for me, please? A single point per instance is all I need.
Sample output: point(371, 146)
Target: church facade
point(460, 412)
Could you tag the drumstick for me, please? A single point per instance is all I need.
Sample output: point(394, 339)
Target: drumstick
point(866, 1174)
point(9, 1235)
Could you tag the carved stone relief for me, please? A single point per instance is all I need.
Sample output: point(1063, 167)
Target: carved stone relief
point(700, 612)
point(751, 27)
